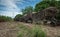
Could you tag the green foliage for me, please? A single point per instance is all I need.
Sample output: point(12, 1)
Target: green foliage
point(40, 6)
point(18, 17)
point(48, 3)
point(58, 16)
point(27, 10)
point(37, 32)
point(31, 32)
point(5, 18)
point(44, 4)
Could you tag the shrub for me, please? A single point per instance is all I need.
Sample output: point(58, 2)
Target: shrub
point(37, 32)
point(18, 17)
point(5, 18)
point(33, 32)
point(58, 16)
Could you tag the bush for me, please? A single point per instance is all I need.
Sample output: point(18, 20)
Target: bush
point(58, 16)
point(18, 17)
point(5, 18)
point(37, 32)
point(33, 32)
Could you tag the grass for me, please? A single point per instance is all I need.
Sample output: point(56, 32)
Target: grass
point(26, 31)
point(5, 18)
point(35, 31)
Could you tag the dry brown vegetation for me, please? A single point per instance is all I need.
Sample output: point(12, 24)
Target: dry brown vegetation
point(11, 29)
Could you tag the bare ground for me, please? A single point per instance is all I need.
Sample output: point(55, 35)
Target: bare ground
point(10, 29)
point(52, 31)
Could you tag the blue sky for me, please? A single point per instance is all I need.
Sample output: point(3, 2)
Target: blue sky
point(13, 7)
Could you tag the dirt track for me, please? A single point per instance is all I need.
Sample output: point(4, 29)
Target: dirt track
point(10, 29)
point(52, 31)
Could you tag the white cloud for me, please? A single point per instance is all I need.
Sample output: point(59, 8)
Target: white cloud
point(10, 14)
point(12, 9)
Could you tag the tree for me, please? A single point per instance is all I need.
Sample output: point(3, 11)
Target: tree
point(5, 18)
point(41, 5)
point(18, 17)
point(27, 10)
point(46, 3)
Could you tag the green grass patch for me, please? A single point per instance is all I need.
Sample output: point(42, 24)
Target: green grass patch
point(5, 18)
point(35, 31)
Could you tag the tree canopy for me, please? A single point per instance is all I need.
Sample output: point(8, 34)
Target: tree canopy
point(5, 18)
point(18, 17)
point(46, 3)
point(27, 10)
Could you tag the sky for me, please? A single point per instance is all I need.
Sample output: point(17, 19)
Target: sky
point(13, 7)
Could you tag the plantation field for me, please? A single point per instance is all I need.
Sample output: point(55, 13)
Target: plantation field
point(19, 29)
